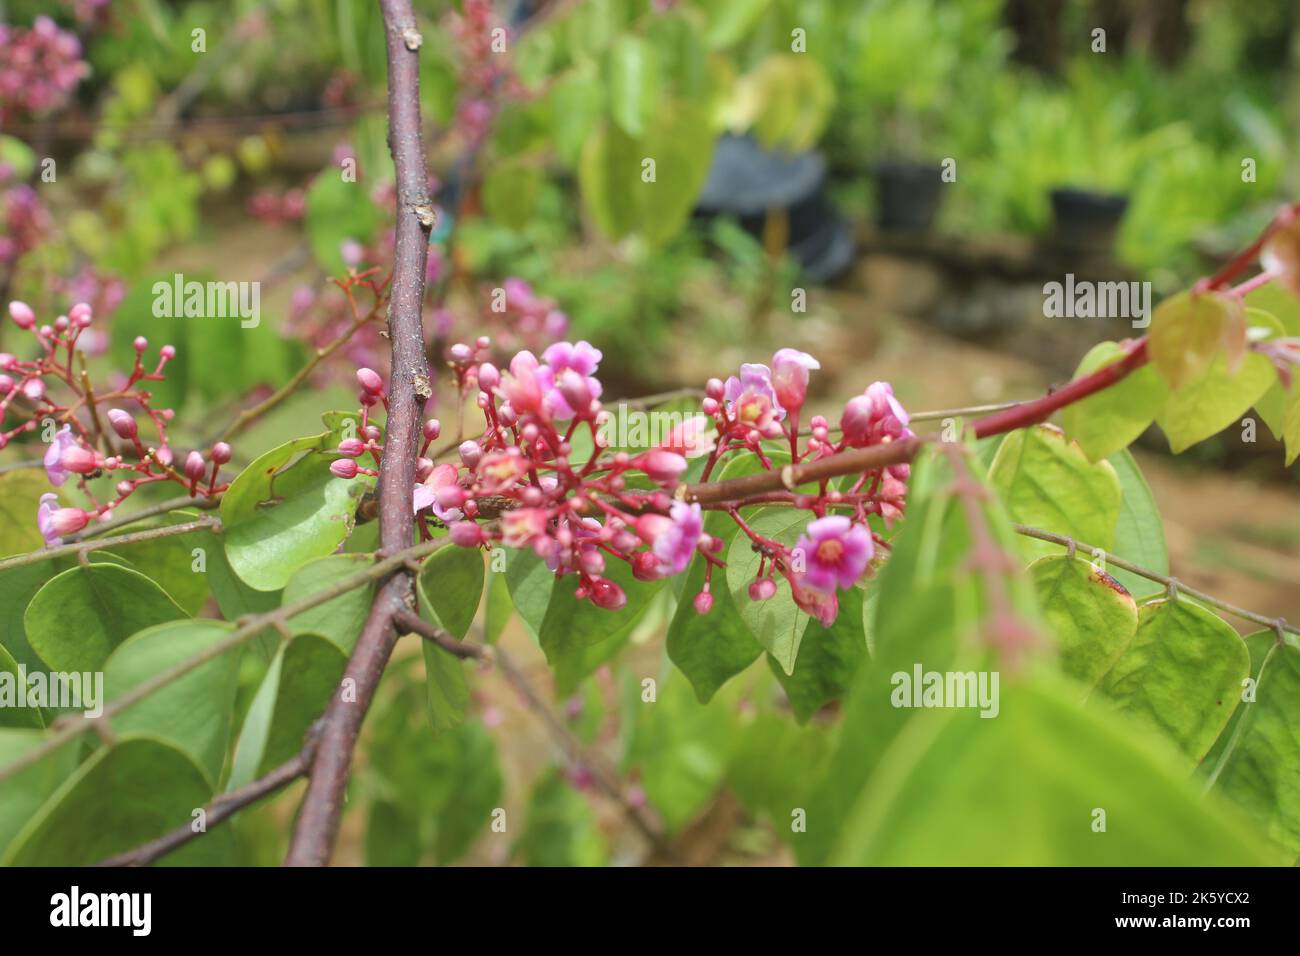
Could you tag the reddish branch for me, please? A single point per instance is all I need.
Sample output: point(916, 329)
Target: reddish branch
point(318, 819)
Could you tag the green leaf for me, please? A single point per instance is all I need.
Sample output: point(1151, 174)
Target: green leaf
point(451, 585)
point(573, 631)
point(469, 805)
point(1291, 426)
point(560, 829)
point(192, 713)
point(23, 794)
point(1181, 674)
point(1185, 335)
point(511, 188)
point(730, 20)
point(828, 659)
point(1261, 772)
point(295, 691)
point(777, 623)
point(795, 97)
point(681, 749)
point(286, 509)
point(339, 620)
point(776, 765)
point(75, 620)
point(1139, 533)
point(170, 562)
point(448, 696)
point(497, 606)
point(1209, 402)
point(121, 797)
point(1110, 420)
point(337, 211)
point(1026, 789)
point(1046, 481)
point(20, 497)
point(577, 100)
point(632, 76)
point(530, 584)
point(1091, 615)
point(712, 648)
point(614, 173)
point(11, 680)
point(1258, 644)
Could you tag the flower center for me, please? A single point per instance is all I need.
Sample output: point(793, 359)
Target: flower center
point(830, 551)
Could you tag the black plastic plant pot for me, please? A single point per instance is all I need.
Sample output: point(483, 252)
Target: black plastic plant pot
point(907, 195)
point(1086, 221)
point(752, 184)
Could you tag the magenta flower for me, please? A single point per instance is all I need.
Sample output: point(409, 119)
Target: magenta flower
point(438, 491)
point(45, 518)
point(836, 552)
point(54, 468)
point(819, 604)
point(676, 545)
point(521, 387)
point(568, 379)
point(790, 369)
point(752, 400)
point(873, 417)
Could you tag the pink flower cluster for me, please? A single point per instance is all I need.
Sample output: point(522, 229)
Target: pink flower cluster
point(523, 483)
point(80, 446)
point(272, 207)
point(25, 219)
point(39, 69)
point(483, 69)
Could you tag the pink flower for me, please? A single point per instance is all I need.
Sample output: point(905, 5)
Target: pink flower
point(676, 545)
point(45, 518)
point(873, 417)
point(568, 379)
point(522, 525)
point(521, 387)
point(753, 402)
point(443, 478)
point(790, 369)
point(693, 438)
point(836, 552)
point(54, 467)
point(821, 605)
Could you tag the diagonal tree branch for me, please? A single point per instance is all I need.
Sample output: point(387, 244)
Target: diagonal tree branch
point(318, 819)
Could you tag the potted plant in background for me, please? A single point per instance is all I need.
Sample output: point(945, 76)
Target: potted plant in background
point(903, 70)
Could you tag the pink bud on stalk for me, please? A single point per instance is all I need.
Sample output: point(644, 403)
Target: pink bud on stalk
point(703, 602)
point(22, 314)
point(344, 468)
point(370, 381)
point(465, 533)
point(195, 466)
point(432, 429)
point(68, 521)
point(123, 423)
point(352, 447)
point(80, 460)
point(220, 453)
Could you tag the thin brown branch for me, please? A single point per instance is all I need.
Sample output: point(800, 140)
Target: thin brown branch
point(85, 546)
point(223, 807)
point(318, 819)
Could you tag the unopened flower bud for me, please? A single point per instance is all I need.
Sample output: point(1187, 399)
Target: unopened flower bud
point(344, 468)
point(488, 376)
point(714, 389)
point(80, 460)
point(762, 589)
point(80, 314)
point(140, 343)
point(450, 496)
point(352, 447)
point(662, 465)
point(22, 314)
point(606, 594)
point(470, 453)
point(646, 567)
point(68, 521)
point(703, 602)
point(195, 466)
point(370, 381)
point(432, 429)
point(164, 456)
point(460, 354)
point(465, 533)
point(123, 423)
point(220, 453)
point(168, 352)
point(34, 389)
